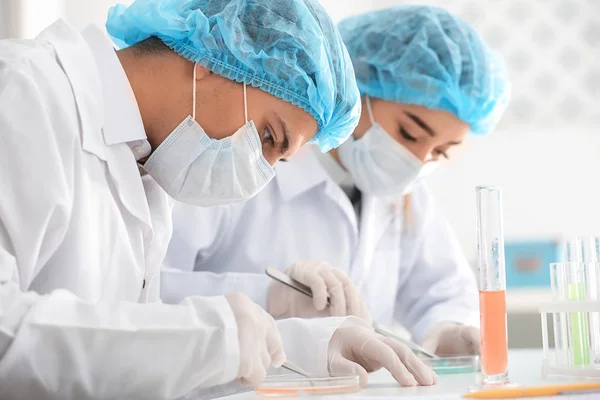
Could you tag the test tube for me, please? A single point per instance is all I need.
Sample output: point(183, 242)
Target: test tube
point(591, 257)
point(559, 319)
point(492, 285)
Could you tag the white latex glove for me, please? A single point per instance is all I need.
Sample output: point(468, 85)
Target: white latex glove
point(324, 281)
point(260, 342)
point(359, 350)
point(451, 339)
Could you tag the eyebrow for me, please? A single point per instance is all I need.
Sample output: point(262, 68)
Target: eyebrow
point(285, 145)
point(421, 123)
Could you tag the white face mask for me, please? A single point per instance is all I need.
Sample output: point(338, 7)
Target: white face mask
point(380, 165)
point(194, 168)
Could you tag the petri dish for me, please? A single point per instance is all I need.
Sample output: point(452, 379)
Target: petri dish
point(454, 365)
point(317, 385)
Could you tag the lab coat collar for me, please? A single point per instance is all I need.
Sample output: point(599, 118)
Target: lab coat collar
point(77, 60)
point(301, 174)
point(305, 172)
point(123, 121)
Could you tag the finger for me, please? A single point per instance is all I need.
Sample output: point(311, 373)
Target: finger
point(274, 343)
point(311, 278)
point(471, 336)
point(430, 343)
point(257, 373)
point(354, 302)
point(376, 350)
point(421, 372)
point(336, 292)
point(248, 367)
point(265, 359)
point(341, 365)
point(365, 314)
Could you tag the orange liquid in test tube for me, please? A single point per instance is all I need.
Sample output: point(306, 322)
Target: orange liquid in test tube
point(494, 352)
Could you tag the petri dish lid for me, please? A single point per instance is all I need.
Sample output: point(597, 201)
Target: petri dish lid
point(317, 385)
point(453, 365)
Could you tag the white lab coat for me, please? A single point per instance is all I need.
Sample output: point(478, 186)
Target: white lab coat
point(414, 273)
point(82, 237)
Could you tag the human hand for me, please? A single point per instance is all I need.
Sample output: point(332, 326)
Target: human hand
point(359, 350)
point(325, 281)
point(451, 339)
point(259, 339)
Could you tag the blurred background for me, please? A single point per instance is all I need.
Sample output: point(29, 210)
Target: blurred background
point(545, 153)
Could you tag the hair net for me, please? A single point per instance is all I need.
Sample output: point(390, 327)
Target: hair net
point(425, 56)
point(288, 48)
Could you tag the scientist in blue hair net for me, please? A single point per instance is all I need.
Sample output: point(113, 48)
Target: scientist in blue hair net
point(363, 215)
point(200, 102)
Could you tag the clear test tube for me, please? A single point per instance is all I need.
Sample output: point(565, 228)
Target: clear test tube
point(590, 247)
point(492, 285)
point(576, 289)
point(559, 319)
point(574, 250)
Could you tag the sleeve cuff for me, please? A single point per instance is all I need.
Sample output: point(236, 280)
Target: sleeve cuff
point(217, 313)
point(306, 341)
point(232, 344)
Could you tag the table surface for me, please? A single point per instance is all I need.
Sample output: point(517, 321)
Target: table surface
point(524, 368)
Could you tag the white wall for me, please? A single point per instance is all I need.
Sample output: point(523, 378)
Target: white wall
point(81, 13)
point(341, 9)
point(27, 18)
point(549, 177)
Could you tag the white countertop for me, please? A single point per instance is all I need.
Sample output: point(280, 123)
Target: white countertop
point(524, 369)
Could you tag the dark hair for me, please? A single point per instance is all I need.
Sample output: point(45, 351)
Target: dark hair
point(152, 46)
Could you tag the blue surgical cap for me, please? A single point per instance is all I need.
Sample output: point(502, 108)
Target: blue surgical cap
point(425, 56)
point(288, 48)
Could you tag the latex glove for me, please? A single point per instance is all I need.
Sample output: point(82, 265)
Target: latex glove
point(359, 350)
point(259, 339)
point(324, 281)
point(451, 339)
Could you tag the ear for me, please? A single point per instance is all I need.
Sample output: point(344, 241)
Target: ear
point(201, 72)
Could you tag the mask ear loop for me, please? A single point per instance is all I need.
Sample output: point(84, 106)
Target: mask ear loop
point(370, 110)
point(245, 104)
point(194, 94)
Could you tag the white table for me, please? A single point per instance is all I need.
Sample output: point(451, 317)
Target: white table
point(524, 367)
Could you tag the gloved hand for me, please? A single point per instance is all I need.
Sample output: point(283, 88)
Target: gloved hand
point(259, 339)
point(359, 350)
point(452, 339)
point(324, 281)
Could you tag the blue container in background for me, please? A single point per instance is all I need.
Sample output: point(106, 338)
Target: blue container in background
point(528, 262)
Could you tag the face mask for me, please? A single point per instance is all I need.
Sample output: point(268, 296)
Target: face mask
point(194, 168)
point(379, 165)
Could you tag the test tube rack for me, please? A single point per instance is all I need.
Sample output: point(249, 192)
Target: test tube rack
point(563, 359)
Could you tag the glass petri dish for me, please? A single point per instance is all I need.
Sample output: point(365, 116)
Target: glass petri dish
point(317, 385)
point(454, 365)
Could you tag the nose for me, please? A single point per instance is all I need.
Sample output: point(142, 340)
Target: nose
point(423, 152)
point(270, 154)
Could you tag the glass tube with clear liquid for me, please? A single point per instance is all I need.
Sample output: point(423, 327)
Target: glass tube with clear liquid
point(492, 285)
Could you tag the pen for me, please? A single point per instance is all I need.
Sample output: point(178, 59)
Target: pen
point(534, 391)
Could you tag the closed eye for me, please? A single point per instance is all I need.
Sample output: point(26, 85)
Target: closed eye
point(407, 135)
point(442, 153)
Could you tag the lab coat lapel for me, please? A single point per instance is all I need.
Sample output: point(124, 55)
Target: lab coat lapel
point(376, 215)
point(337, 195)
point(77, 60)
point(304, 173)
